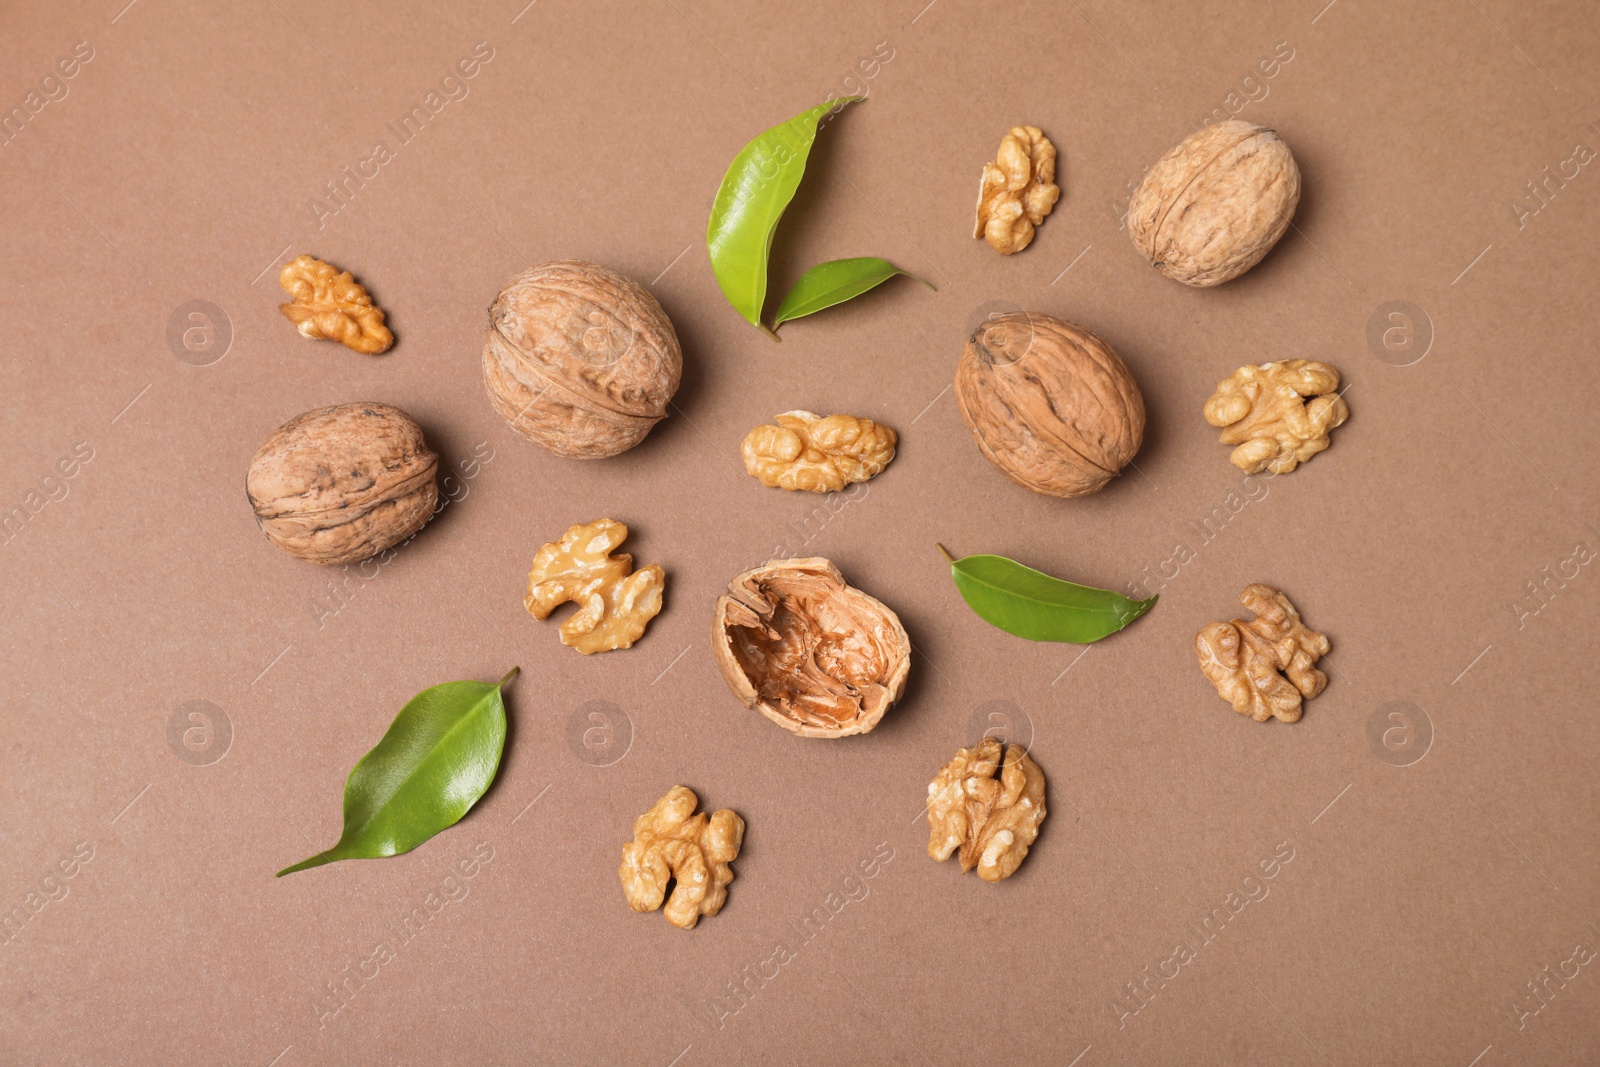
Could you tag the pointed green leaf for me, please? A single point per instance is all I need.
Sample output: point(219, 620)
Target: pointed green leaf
point(758, 186)
point(1032, 604)
point(834, 282)
point(438, 757)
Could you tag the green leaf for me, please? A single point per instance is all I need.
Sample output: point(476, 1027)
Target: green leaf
point(834, 282)
point(1032, 604)
point(438, 757)
point(757, 188)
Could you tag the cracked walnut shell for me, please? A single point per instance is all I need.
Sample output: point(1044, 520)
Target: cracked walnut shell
point(1243, 659)
point(615, 602)
point(992, 821)
point(579, 359)
point(1017, 190)
point(1209, 209)
point(816, 656)
point(820, 455)
point(693, 853)
point(1049, 403)
point(1279, 414)
point(331, 305)
point(343, 483)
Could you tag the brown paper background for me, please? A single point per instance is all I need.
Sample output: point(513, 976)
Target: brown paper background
point(1423, 894)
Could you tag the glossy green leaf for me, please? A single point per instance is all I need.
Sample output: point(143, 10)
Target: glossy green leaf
point(834, 282)
point(438, 757)
point(758, 186)
point(1032, 604)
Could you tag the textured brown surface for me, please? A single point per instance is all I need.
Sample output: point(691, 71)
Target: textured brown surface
point(1392, 914)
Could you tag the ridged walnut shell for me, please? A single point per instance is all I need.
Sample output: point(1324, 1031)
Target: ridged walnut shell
point(580, 359)
point(1049, 403)
point(1214, 205)
point(816, 656)
point(341, 484)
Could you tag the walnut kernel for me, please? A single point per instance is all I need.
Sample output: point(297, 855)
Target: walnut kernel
point(814, 655)
point(820, 455)
point(615, 602)
point(1279, 414)
point(1017, 190)
point(695, 852)
point(992, 821)
point(331, 305)
point(1242, 659)
point(1209, 209)
point(343, 483)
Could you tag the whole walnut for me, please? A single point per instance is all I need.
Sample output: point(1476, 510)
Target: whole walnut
point(1214, 205)
point(1049, 403)
point(343, 483)
point(580, 359)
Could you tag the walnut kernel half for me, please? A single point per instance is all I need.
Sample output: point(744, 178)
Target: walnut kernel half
point(1279, 414)
point(668, 844)
point(1017, 190)
point(331, 305)
point(820, 455)
point(615, 602)
point(992, 821)
point(1242, 659)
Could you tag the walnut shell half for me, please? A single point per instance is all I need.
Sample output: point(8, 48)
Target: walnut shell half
point(816, 656)
point(1208, 210)
point(343, 483)
point(580, 359)
point(1049, 403)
